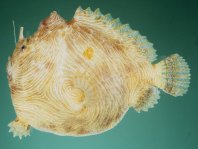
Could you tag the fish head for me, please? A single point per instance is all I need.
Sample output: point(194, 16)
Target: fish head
point(14, 61)
point(37, 50)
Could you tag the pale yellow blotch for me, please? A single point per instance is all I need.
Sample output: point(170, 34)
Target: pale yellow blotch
point(81, 96)
point(88, 53)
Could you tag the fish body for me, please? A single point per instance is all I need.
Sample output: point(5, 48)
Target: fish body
point(80, 77)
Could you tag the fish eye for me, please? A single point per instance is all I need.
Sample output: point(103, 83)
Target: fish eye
point(23, 47)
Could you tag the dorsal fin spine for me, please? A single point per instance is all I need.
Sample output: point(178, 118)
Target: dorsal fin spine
point(133, 34)
point(115, 23)
point(107, 18)
point(97, 13)
point(89, 11)
point(125, 28)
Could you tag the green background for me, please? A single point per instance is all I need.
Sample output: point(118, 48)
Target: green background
point(172, 25)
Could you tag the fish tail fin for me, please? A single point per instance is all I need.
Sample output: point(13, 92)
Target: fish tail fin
point(172, 75)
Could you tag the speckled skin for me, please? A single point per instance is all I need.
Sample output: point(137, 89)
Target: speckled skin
point(77, 78)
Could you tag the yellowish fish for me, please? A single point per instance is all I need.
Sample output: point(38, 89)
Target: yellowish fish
point(79, 78)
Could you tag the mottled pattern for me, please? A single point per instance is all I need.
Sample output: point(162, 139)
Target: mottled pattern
point(80, 77)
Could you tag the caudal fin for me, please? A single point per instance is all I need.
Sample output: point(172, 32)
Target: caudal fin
point(173, 75)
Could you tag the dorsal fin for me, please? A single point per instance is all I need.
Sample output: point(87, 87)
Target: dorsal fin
point(107, 23)
point(52, 21)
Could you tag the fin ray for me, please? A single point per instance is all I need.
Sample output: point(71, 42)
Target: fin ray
point(124, 31)
point(173, 75)
point(147, 99)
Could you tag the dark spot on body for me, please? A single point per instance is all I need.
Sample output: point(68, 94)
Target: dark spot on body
point(107, 121)
point(68, 129)
point(44, 22)
point(86, 30)
point(82, 131)
point(118, 46)
point(14, 88)
point(52, 126)
point(118, 115)
point(44, 25)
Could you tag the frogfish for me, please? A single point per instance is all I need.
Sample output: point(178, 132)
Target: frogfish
point(80, 77)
